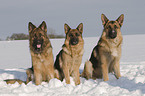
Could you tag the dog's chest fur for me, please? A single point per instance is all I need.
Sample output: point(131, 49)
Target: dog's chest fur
point(114, 52)
point(41, 58)
point(74, 55)
point(116, 46)
point(112, 46)
point(73, 51)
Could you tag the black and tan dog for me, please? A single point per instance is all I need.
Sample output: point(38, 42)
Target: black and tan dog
point(41, 55)
point(69, 58)
point(105, 57)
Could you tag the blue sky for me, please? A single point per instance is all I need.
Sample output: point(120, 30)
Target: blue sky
point(16, 14)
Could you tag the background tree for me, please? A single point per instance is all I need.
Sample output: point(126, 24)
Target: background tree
point(18, 36)
point(52, 34)
point(22, 36)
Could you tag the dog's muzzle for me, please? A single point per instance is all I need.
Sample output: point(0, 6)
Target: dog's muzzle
point(112, 34)
point(74, 41)
point(37, 45)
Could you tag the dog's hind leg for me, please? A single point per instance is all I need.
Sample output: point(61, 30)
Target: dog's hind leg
point(88, 70)
point(30, 75)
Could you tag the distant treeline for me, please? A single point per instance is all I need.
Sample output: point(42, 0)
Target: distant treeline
point(22, 36)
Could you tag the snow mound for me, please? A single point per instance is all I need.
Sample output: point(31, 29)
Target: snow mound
point(16, 59)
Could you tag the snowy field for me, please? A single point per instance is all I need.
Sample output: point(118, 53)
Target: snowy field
point(15, 59)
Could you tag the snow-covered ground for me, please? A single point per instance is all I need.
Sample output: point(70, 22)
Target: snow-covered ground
point(15, 59)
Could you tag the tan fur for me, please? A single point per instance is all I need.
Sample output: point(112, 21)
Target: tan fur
point(42, 60)
point(12, 81)
point(42, 63)
point(69, 58)
point(106, 54)
point(42, 66)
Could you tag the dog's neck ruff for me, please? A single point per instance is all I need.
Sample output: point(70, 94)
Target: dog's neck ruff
point(72, 51)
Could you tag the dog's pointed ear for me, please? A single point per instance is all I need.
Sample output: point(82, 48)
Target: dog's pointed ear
point(43, 26)
point(104, 19)
point(120, 19)
point(66, 28)
point(31, 27)
point(80, 27)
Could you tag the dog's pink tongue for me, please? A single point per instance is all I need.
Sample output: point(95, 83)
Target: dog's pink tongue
point(38, 45)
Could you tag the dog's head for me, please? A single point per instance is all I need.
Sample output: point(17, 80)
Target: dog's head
point(112, 27)
point(73, 36)
point(38, 37)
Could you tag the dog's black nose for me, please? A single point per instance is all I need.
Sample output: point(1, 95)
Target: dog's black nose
point(112, 34)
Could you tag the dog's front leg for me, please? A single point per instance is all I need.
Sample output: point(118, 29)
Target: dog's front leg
point(104, 66)
point(66, 74)
point(37, 76)
point(37, 70)
point(76, 76)
point(50, 71)
point(117, 69)
point(105, 72)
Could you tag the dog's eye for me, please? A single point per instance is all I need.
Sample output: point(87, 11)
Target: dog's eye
point(109, 27)
point(115, 27)
point(40, 34)
point(70, 35)
point(77, 34)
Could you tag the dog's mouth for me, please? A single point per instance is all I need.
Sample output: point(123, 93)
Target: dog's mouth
point(37, 46)
point(112, 34)
point(74, 41)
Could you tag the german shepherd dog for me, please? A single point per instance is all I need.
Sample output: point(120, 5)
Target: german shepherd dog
point(69, 58)
point(41, 55)
point(105, 57)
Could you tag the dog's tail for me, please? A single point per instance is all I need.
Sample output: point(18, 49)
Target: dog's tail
point(29, 73)
point(12, 81)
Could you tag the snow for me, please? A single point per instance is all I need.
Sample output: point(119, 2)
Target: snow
point(15, 59)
